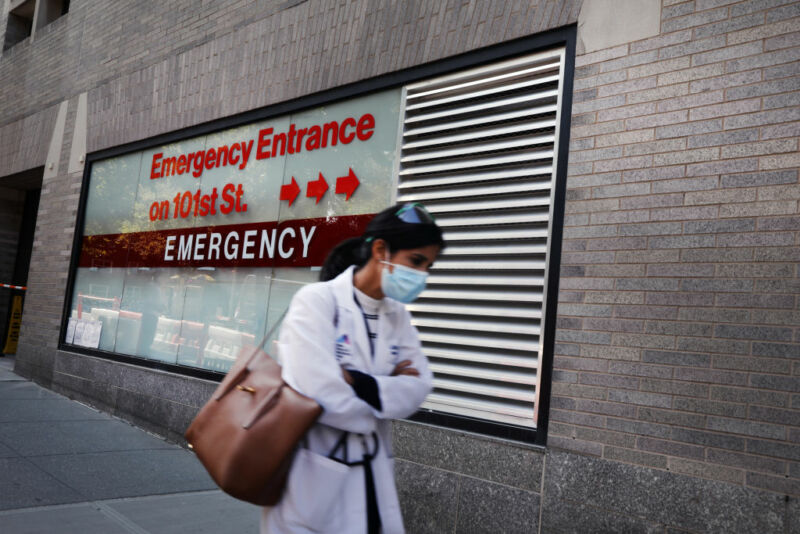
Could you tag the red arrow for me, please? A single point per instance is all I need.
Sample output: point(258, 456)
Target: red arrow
point(347, 184)
point(317, 188)
point(290, 191)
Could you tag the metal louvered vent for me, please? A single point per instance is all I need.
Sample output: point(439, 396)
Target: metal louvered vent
point(478, 149)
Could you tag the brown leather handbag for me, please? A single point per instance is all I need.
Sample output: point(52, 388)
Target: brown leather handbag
point(247, 433)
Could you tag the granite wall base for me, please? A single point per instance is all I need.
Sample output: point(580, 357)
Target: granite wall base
point(35, 363)
point(160, 402)
point(457, 482)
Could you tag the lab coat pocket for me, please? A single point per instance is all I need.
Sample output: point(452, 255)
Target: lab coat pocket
point(315, 482)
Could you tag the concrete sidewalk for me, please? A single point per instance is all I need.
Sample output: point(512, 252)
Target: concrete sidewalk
point(66, 468)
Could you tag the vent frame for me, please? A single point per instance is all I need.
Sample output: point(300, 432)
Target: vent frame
point(525, 179)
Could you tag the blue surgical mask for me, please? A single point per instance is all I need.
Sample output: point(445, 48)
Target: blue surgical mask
point(403, 284)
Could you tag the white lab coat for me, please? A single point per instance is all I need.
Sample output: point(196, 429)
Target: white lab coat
point(312, 350)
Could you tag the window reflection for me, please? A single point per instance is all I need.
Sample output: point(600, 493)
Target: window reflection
point(96, 306)
point(198, 317)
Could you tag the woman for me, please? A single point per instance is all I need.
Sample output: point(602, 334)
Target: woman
point(348, 343)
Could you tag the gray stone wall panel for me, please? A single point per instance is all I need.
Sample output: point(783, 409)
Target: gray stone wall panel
point(487, 508)
point(653, 496)
point(497, 461)
point(428, 497)
point(161, 402)
point(570, 517)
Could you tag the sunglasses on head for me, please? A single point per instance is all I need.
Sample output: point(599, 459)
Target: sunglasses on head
point(415, 213)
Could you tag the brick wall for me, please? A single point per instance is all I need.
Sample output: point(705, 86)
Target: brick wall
point(155, 67)
point(24, 142)
point(678, 344)
point(49, 266)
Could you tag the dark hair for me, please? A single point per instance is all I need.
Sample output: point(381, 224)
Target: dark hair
point(386, 225)
point(348, 252)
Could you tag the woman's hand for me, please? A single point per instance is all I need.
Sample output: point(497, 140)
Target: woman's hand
point(404, 368)
point(347, 376)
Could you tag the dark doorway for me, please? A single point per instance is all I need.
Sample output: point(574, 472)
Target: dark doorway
point(19, 204)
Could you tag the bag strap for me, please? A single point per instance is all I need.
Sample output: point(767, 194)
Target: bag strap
point(278, 323)
point(265, 338)
point(245, 369)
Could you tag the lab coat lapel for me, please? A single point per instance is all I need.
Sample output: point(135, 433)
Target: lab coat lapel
point(384, 360)
point(346, 299)
point(360, 335)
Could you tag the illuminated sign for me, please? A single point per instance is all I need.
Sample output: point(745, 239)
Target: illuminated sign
point(280, 192)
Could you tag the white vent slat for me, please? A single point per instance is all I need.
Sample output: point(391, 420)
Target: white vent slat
point(485, 72)
point(486, 176)
point(504, 103)
point(441, 194)
point(485, 404)
point(496, 342)
point(495, 296)
point(546, 67)
point(455, 370)
point(423, 306)
point(496, 118)
point(470, 150)
point(478, 148)
point(500, 264)
point(482, 357)
point(499, 233)
point(486, 280)
point(490, 205)
point(501, 412)
point(505, 88)
point(486, 161)
point(477, 326)
point(477, 134)
point(485, 249)
point(447, 220)
point(479, 389)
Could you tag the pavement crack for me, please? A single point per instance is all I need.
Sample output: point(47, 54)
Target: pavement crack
point(112, 514)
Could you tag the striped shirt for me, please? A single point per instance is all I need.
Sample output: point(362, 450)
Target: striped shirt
point(369, 308)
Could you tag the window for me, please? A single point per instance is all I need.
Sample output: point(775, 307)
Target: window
point(50, 10)
point(479, 149)
point(27, 16)
point(20, 22)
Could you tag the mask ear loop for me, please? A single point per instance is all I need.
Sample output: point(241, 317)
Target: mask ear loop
point(388, 257)
point(387, 254)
